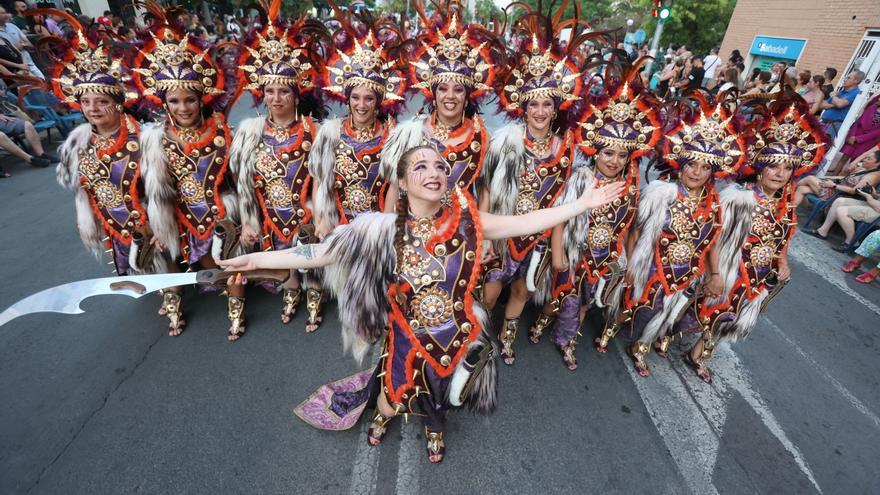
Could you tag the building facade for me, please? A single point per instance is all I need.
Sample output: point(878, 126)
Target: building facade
point(811, 35)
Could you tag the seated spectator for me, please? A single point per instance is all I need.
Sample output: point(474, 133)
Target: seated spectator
point(838, 104)
point(846, 211)
point(17, 39)
point(19, 19)
point(105, 19)
point(866, 249)
point(865, 171)
point(813, 94)
point(127, 34)
point(14, 127)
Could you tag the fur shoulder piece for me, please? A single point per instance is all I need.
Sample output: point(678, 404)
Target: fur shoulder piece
point(404, 137)
point(574, 234)
point(504, 164)
point(242, 163)
point(737, 203)
point(322, 163)
point(364, 262)
point(160, 193)
point(653, 204)
point(67, 171)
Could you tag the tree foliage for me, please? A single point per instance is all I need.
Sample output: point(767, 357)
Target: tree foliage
point(696, 23)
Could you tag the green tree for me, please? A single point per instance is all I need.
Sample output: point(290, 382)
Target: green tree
point(696, 23)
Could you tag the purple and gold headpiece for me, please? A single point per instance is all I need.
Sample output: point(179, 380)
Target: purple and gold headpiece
point(276, 57)
point(788, 135)
point(627, 119)
point(711, 136)
point(87, 67)
point(541, 72)
point(170, 61)
point(365, 63)
point(450, 54)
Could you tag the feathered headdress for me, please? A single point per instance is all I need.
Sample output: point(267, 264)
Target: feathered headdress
point(86, 66)
point(626, 117)
point(542, 67)
point(788, 134)
point(451, 52)
point(364, 57)
point(713, 133)
point(278, 54)
point(171, 60)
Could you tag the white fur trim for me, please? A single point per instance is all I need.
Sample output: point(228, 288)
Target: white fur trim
point(322, 166)
point(160, 193)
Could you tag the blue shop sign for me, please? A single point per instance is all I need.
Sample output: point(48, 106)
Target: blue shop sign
point(778, 47)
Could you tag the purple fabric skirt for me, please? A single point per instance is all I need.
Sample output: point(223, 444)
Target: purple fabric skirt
point(510, 269)
point(568, 321)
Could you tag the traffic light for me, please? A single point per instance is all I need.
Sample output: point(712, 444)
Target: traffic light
point(665, 9)
point(662, 9)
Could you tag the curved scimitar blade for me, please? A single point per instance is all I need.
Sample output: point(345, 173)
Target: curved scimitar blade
point(66, 298)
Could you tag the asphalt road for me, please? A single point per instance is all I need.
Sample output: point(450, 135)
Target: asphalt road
point(106, 402)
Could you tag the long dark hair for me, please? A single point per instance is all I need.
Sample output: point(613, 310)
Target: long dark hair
point(402, 199)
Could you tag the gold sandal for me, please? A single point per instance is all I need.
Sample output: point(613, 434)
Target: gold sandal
point(436, 447)
point(540, 326)
point(507, 337)
point(378, 428)
point(314, 300)
point(235, 313)
point(171, 308)
point(291, 298)
point(638, 358)
point(568, 357)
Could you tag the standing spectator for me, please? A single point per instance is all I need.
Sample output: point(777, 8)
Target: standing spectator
point(19, 19)
point(864, 133)
point(53, 24)
point(752, 79)
point(830, 73)
point(838, 103)
point(730, 80)
point(106, 19)
point(694, 78)
point(127, 34)
point(813, 94)
point(803, 80)
point(17, 39)
point(711, 64)
point(669, 76)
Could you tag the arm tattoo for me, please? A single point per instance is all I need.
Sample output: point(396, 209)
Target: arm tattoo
point(304, 250)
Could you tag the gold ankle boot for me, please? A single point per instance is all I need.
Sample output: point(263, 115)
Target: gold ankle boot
point(540, 326)
point(314, 302)
point(171, 308)
point(235, 313)
point(291, 299)
point(507, 337)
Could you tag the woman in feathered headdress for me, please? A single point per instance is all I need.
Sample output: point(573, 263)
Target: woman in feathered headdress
point(100, 160)
point(529, 162)
point(759, 221)
point(453, 68)
point(185, 158)
point(269, 155)
point(622, 124)
point(677, 224)
point(414, 274)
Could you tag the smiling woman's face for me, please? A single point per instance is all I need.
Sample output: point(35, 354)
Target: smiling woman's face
point(184, 106)
point(426, 176)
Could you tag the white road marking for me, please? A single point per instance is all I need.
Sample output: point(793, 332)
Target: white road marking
point(727, 367)
point(365, 470)
point(690, 438)
point(408, 458)
point(853, 400)
point(814, 256)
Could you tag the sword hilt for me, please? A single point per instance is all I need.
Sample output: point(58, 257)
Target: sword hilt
point(218, 277)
